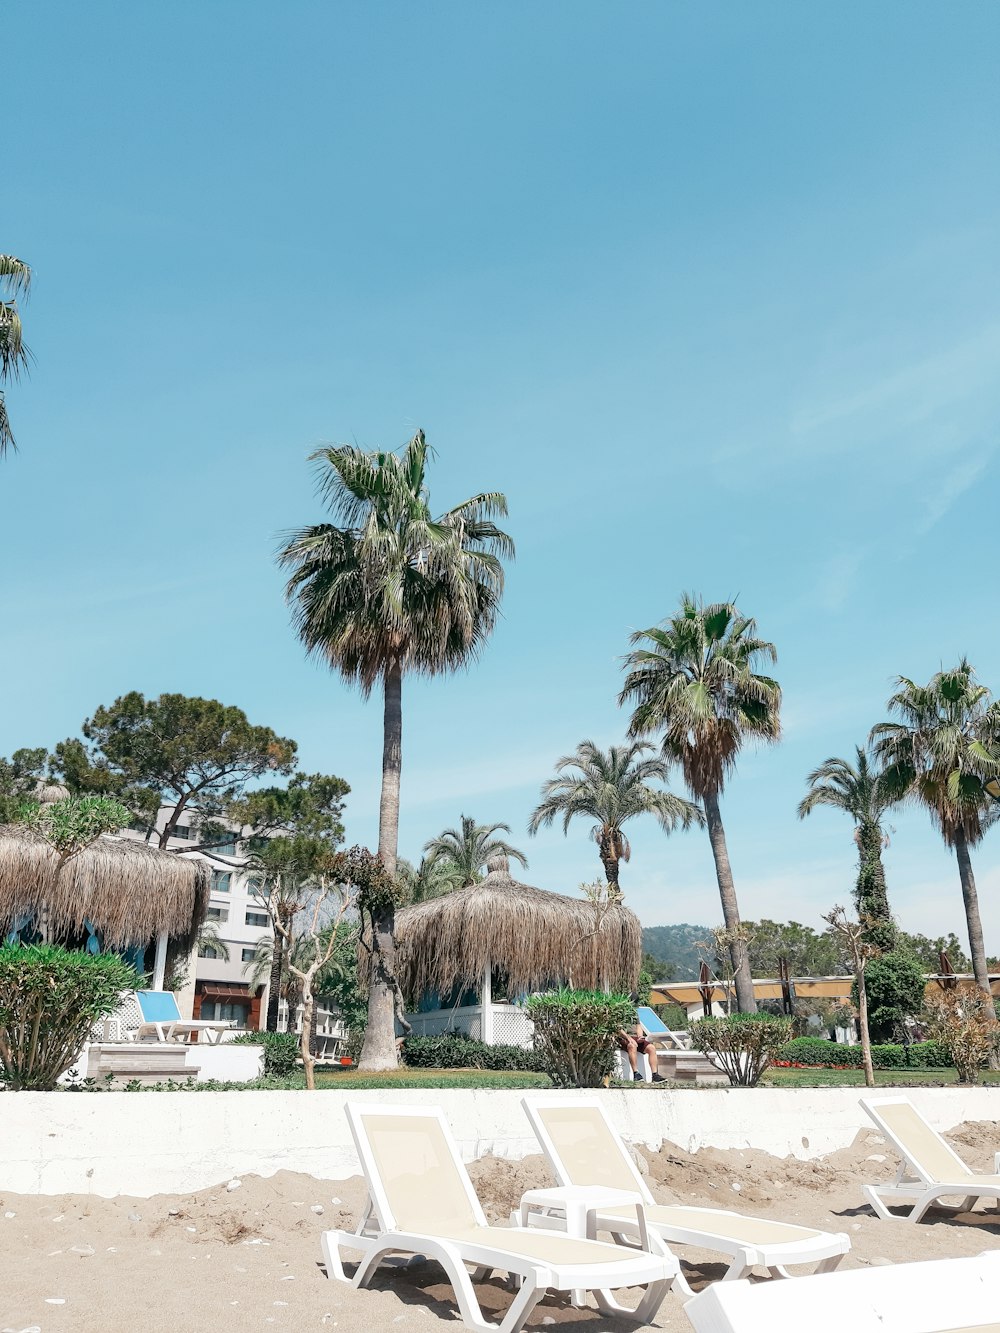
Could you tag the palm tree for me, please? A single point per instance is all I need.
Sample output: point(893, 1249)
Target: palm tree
point(430, 879)
point(611, 787)
point(696, 682)
point(210, 941)
point(15, 280)
point(941, 752)
point(469, 847)
point(865, 792)
point(392, 591)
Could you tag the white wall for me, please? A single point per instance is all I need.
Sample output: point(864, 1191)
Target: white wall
point(145, 1143)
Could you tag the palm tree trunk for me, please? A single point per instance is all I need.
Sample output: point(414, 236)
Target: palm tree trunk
point(379, 1049)
point(730, 908)
point(977, 948)
point(274, 985)
point(610, 864)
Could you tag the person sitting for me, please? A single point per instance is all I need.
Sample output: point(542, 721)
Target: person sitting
point(634, 1045)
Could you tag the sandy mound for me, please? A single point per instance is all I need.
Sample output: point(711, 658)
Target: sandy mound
point(249, 1257)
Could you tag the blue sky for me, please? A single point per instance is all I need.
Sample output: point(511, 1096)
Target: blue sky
point(710, 291)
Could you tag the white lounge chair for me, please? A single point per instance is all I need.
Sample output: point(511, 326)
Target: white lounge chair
point(421, 1202)
point(930, 1171)
point(161, 1018)
point(585, 1149)
point(939, 1296)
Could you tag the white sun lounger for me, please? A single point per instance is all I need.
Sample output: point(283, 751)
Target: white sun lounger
point(584, 1149)
point(421, 1202)
point(939, 1296)
point(930, 1171)
point(161, 1019)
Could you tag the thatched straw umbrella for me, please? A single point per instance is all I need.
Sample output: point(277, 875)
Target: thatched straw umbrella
point(129, 892)
point(535, 938)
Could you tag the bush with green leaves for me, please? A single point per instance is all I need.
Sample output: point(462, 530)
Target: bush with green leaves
point(575, 1034)
point(281, 1051)
point(895, 985)
point(819, 1051)
point(456, 1050)
point(742, 1045)
point(50, 999)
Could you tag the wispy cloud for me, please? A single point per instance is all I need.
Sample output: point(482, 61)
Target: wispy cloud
point(913, 392)
point(951, 489)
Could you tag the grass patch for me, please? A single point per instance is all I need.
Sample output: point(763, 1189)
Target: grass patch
point(430, 1078)
point(855, 1078)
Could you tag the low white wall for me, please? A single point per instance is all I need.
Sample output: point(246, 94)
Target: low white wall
point(144, 1143)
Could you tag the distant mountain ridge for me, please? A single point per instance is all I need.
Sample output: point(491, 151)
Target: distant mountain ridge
point(678, 948)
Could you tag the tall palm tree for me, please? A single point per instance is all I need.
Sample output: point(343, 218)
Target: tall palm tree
point(945, 746)
point(611, 787)
point(864, 791)
point(696, 681)
point(15, 281)
point(469, 847)
point(393, 591)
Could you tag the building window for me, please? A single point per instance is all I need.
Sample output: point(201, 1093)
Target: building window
point(224, 848)
point(206, 951)
point(249, 955)
point(218, 914)
point(258, 919)
point(221, 880)
point(182, 831)
point(217, 1012)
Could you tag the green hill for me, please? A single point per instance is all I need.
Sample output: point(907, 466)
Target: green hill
point(677, 948)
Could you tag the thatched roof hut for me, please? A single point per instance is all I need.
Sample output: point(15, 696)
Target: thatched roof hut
point(536, 938)
point(128, 891)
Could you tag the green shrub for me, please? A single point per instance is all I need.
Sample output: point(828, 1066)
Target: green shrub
point(50, 999)
point(742, 1045)
point(281, 1051)
point(895, 985)
point(817, 1051)
point(575, 1034)
point(456, 1050)
point(673, 1015)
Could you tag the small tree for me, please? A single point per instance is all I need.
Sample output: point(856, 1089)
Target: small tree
point(742, 1045)
point(853, 936)
point(575, 1030)
point(964, 1020)
point(895, 984)
point(331, 898)
point(50, 999)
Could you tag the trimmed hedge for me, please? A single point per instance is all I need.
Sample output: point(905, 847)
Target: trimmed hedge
point(818, 1051)
point(455, 1050)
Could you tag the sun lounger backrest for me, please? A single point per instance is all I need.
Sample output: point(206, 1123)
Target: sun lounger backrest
point(651, 1022)
point(417, 1180)
point(583, 1147)
point(158, 1006)
point(923, 1147)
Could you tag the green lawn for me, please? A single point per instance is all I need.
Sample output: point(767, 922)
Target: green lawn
point(430, 1078)
point(854, 1078)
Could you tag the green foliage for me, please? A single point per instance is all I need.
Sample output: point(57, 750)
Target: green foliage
point(19, 779)
point(679, 949)
point(455, 1050)
point(895, 985)
point(311, 806)
point(964, 1021)
point(927, 951)
point(429, 879)
point(809, 953)
point(742, 1045)
point(394, 586)
point(575, 1033)
point(50, 999)
point(468, 848)
point(172, 750)
point(818, 1051)
point(673, 1015)
point(70, 825)
point(610, 787)
point(15, 280)
point(281, 1051)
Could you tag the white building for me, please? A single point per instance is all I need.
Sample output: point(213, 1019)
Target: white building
point(219, 987)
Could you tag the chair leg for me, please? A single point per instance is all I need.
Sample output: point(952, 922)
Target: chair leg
point(742, 1263)
point(646, 1309)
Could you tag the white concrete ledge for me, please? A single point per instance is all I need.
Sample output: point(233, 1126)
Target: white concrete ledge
point(144, 1143)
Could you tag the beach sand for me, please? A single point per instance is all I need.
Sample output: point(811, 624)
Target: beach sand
point(249, 1258)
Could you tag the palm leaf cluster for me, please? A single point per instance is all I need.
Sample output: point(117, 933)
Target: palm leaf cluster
point(388, 581)
point(695, 682)
point(463, 852)
point(15, 281)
